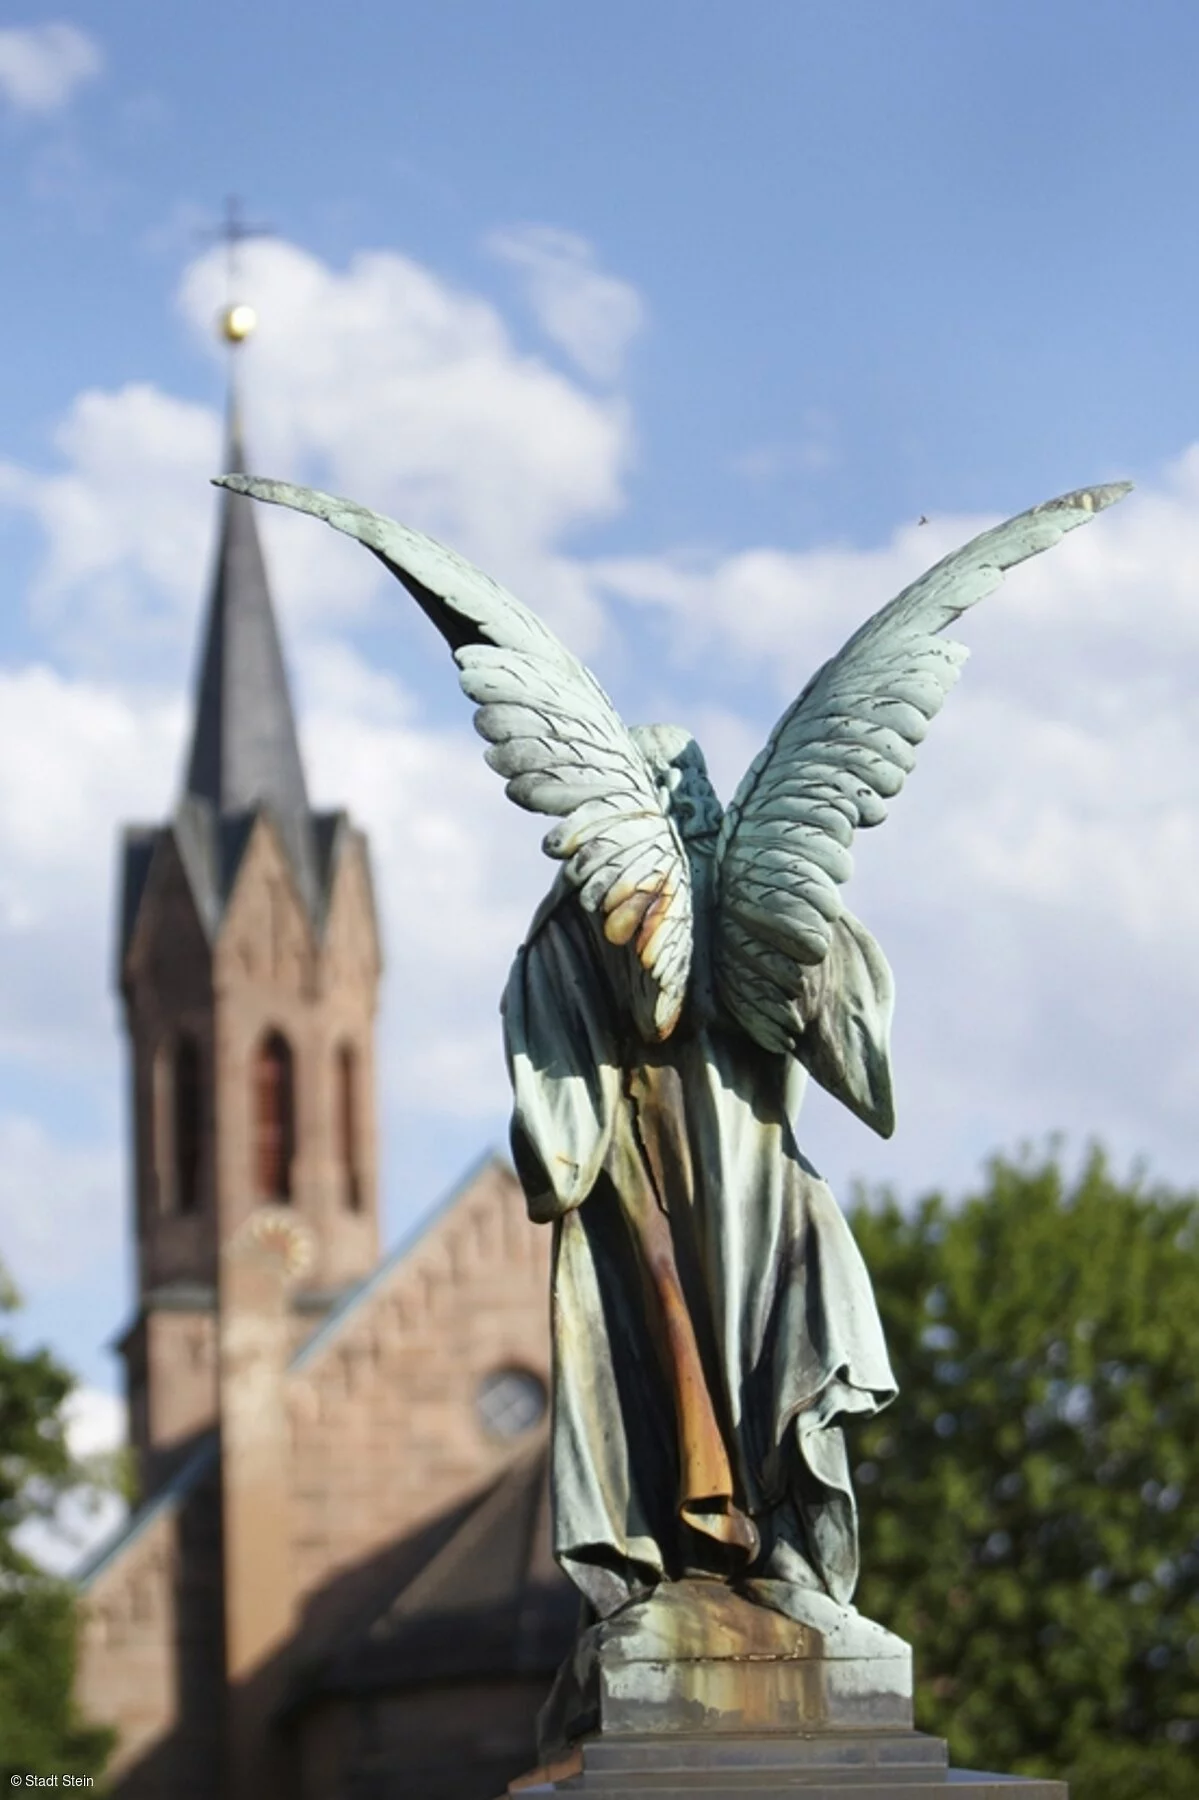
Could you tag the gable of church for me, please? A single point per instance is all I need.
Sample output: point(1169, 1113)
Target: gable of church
point(350, 951)
point(265, 938)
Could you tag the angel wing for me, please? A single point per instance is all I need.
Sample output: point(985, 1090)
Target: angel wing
point(558, 741)
point(792, 967)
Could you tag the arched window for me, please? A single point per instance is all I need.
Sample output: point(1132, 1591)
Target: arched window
point(347, 1125)
point(274, 1118)
point(185, 1124)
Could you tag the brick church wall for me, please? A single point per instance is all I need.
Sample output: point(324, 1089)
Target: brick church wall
point(384, 1436)
point(150, 1651)
point(385, 1430)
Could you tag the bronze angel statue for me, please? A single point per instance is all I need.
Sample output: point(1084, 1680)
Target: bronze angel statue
point(689, 969)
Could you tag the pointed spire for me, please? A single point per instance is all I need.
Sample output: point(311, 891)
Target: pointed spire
point(244, 751)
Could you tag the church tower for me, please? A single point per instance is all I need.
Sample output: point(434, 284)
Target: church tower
point(249, 967)
point(341, 1459)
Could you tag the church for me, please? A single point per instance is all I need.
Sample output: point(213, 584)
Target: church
point(337, 1584)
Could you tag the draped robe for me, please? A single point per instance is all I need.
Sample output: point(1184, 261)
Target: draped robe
point(712, 1316)
point(713, 1321)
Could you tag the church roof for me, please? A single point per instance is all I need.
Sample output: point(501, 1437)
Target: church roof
point(351, 1301)
point(245, 752)
point(486, 1600)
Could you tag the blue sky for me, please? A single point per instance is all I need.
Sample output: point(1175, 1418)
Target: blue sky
point(678, 317)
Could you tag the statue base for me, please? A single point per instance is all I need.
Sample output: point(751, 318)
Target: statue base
point(696, 1656)
point(860, 1765)
point(699, 1689)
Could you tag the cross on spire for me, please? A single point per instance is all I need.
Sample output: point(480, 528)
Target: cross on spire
point(237, 319)
point(233, 231)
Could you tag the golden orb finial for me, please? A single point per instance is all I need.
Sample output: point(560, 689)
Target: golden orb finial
point(237, 322)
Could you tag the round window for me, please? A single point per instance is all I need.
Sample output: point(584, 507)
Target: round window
point(510, 1401)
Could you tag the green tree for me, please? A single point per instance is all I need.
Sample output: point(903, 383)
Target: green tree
point(1029, 1504)
point(39, 1728)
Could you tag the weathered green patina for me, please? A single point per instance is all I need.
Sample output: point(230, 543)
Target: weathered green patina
point(691, 967)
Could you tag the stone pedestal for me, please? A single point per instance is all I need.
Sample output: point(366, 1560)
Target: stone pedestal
point(699, 1690)
point(859, 1765)
point(698, 1657)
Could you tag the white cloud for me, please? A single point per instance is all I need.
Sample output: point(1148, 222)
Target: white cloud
point(77, 758)
point(387, 383)
point(96, 1422)
point(1115, 600)
point(87, 1515)
point(590, 314)
point(457, 876)
point(127, 524)
point(780, 610)
point(59, 1204)
point(83, 1520)
point(1036, 886)
point(42, 67)
point(380, 381)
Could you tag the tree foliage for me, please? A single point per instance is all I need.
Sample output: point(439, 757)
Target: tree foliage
point(1029, 1512)
point(39, 1729)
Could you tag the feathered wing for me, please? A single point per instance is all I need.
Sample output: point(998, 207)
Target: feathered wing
point(794, 969)
point(556, 738)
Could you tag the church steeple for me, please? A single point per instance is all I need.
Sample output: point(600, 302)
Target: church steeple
point(249, 967)
point(244, 750)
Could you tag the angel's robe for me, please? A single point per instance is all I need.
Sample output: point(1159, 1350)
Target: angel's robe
point(713, 1320)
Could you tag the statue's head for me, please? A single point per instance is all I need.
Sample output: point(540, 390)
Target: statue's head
point(679, 767)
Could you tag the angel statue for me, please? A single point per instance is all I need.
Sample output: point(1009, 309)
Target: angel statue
point(689, 969)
